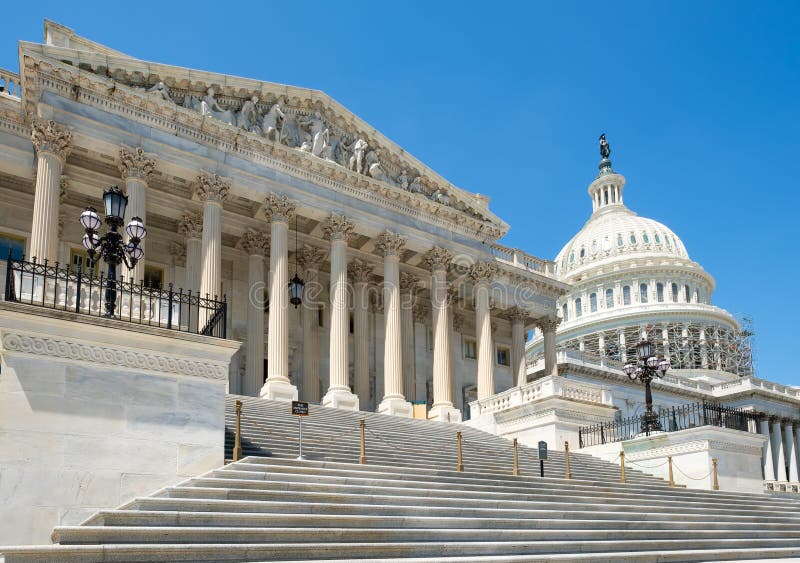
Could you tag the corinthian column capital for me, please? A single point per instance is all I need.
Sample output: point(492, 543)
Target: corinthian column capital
point(338, 227)
point(255, 243)
point(46, 136)
point(134, 163)
point(483, 272)
point(548, 324)
point(360, 270)
point(279, 208)
point(408, 282)
point(438, 258)
point(390, 244)
point(310, 257)
point(212, 187)
point(191, 225)
point(516, 314)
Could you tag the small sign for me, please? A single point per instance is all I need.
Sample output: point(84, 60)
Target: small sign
point(299, 408)
point(542, 450)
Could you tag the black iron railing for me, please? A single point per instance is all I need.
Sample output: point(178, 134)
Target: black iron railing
point(84, 292)
point(670, 420)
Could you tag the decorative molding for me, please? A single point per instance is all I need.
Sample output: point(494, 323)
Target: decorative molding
point(47, 136)
point(278, 208)
point(390, 244)
point(438, 258)
point(134, 163)
point(67, 349)
point(212, 187)
point(337, 227)
point(255, 243)
point(191, 225)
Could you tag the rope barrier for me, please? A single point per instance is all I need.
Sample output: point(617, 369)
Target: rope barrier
point(706, 476)
point(648, 466)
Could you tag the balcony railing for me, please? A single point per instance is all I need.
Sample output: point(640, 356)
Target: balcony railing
point(68, 289)
point(671, 420)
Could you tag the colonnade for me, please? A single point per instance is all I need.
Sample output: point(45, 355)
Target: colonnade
point(203, 234)
point(781, 455)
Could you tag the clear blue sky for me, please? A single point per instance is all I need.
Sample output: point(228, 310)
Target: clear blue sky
point(700, 101)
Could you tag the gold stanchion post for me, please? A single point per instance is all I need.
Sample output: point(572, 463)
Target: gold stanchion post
point(567, 472)
point(714, 470)
point(671, 477)
point(515, 472)
point(622, 467)
point(237, 444)
point(362, 457)
point(459, 460)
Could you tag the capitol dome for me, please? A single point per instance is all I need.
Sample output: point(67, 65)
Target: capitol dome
point(631, 277)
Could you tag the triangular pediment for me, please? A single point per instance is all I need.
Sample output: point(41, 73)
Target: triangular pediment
point(306, 121)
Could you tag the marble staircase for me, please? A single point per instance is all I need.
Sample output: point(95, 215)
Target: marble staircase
point(409, 504)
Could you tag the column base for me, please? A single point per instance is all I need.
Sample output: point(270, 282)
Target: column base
point(340, 399)
point(444, 413)
point(396, 406)
point(278, 390)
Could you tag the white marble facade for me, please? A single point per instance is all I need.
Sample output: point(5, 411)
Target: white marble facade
point(244, 183)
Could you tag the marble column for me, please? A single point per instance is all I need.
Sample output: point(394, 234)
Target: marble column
point(548, 327)
point(408, 287)
point(191, 227)
point(255, 244)
point(767, 462)
point(778, 455)
point(518, 316)
point(52, 144)
point(439, 260)
point(310, 259)
point(482, 274)
point(279, 210)
point(456, 323)
point(791, 454)
point(338, 229)
point(391, 245)
point(135, 167)
point(212, 191)
point(361, 274)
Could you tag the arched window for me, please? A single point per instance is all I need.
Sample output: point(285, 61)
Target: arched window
point(578, 307)
point(571, 257)
point(660, 292)
point(609, 298)
point(565, 312)
point(658, 238)
point(687, 294)
point(674, 292)
point(643, 293)
point(633, 238)
point(620, 242)
point(696, 297)
point(645, 237)
point(626, 295)
point(583, 252)
point(593, 302)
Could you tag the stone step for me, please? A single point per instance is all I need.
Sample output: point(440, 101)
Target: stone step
point(76, 535)
point(238, 519)
point(601, 550)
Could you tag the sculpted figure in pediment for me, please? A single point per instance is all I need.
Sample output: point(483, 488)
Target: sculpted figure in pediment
point(416, 186)
point(440, 196)
point(357, 161)
point(269, 124)
point(320, 135)
point(291, 134)
point(402, 180)
point(373, 166)
point(209, 106)
point(248, 116)
point(160, 90)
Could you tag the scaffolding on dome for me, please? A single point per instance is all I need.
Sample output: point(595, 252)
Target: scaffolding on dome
point(692, 345)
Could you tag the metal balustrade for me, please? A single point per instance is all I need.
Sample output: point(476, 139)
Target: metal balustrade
point(84, 292)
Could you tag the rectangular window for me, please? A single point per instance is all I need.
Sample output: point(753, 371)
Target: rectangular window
point(13, 245)
point(153, 276)
point(79, 260)
point(503, 356)
point(470, 349)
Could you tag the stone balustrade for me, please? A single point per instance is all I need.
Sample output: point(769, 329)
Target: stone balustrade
point(519, 259)
point(753, 383)
point(10, 83)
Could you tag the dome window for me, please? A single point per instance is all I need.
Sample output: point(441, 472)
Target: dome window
point(687, 294)
point(674, 292)
point(593, 302)
point(578, 307)
point(609, 298)
point(620, 242)
point(658, 238)
point(571, 257)
point(643, 293)
point(565, 312)
point(660, 292)
point(645, 237)
point(666, 240)
point(594, 247)
point(583, 252)
point(633, 238)
point(626, 295)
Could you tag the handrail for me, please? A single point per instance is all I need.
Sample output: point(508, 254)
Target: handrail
point(83, 292)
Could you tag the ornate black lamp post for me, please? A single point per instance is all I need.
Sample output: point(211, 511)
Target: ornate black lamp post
point(296, 285)
point(111, 246)
point(647, 366)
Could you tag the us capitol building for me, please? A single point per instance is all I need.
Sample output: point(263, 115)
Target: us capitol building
point(293, 252)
